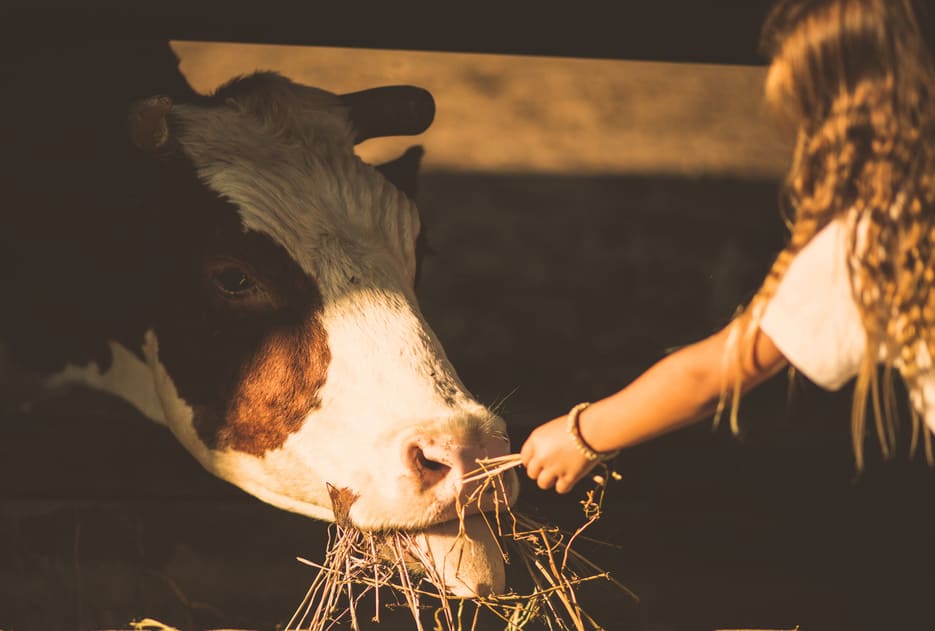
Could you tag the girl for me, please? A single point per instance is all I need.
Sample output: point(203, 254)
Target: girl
point(854, 286)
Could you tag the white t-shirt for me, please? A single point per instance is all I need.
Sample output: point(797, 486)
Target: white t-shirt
point(813, 320)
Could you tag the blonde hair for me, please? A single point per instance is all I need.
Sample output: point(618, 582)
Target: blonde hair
point(857, 80)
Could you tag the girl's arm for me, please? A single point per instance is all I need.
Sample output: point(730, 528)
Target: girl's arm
point(679, 389)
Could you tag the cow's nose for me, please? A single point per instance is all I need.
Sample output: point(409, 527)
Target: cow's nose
point(432, 464)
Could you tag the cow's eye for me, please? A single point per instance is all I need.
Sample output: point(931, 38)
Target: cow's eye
point(236, 285)
point(234, 281)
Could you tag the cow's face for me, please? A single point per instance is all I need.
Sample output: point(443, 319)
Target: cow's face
point(288, 350)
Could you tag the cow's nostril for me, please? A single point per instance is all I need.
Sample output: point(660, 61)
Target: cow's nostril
point(429, 470)
point(431, 465)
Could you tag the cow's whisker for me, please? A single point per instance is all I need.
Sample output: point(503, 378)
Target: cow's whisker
point(497, 406)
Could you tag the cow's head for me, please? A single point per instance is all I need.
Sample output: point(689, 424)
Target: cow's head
point(287, 347)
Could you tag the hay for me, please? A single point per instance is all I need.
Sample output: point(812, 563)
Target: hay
point(400, 573)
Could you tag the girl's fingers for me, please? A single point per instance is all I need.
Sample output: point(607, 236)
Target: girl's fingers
point(546, 480)
point(563, 485)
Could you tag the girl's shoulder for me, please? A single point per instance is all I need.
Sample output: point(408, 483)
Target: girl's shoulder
point(812, 317)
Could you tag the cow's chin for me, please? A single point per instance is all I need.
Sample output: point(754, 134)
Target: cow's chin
point(453, 540)
point(468, 560)
point(463, 552)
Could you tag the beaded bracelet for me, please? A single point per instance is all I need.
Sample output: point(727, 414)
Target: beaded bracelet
point(580, 443)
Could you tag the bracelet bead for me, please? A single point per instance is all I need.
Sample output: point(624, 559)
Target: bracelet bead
point(580, 443)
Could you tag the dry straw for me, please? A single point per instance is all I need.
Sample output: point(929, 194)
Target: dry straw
point(398, 573)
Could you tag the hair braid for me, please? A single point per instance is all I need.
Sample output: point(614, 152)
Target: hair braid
point(862, 95)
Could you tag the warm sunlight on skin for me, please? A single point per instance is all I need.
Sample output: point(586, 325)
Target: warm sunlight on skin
point(648, 407)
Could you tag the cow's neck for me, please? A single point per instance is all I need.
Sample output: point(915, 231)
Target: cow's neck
point(126, 376)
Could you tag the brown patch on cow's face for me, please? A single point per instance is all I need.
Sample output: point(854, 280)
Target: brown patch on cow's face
point(272, 393)
point(239, 332)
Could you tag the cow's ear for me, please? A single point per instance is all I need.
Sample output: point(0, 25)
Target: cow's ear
point(149, 125)
point(403, 172)
point(396, 110)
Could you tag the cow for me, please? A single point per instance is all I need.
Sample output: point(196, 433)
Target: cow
point(227, 264)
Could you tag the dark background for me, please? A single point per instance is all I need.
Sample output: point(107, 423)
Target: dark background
point(720, 31)
point(546, 289)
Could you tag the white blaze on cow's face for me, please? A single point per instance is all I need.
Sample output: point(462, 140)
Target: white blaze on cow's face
point(299, 357)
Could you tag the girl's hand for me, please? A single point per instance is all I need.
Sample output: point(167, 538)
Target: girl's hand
point(552, 459)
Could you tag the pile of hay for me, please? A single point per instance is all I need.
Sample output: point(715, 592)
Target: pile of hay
point(399, 569)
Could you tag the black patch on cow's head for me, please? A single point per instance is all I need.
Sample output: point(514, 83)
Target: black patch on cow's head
point(238, 321)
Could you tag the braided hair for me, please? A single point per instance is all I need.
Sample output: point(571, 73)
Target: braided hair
point(857, 80)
